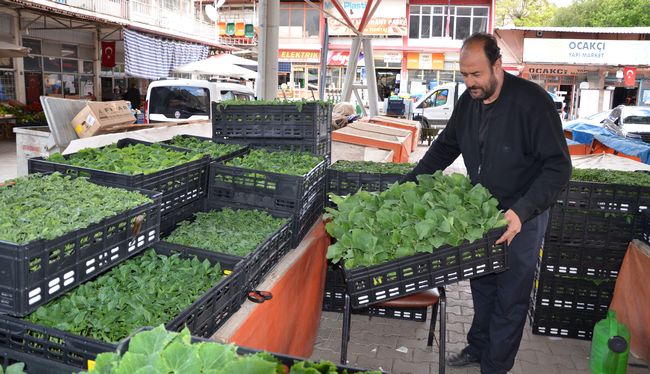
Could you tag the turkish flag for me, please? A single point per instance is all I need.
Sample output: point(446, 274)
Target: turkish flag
point(630, 76)
point(108, 54)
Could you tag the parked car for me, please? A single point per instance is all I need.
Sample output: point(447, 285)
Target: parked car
point(594, 120)
point(173, 100)
point(630, 121)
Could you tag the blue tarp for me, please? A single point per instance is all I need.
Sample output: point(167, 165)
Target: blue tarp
point(571, 142)
point(585, 134)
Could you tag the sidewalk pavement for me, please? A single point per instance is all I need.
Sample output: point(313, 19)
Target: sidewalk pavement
point(379, 343)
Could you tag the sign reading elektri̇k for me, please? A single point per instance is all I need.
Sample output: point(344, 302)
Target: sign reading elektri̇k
point(587, 51)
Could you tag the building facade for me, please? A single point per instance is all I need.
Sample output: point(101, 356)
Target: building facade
point(593, 69)
point(416, 43)
point(70, 41)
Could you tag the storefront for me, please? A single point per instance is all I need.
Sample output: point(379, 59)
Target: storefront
point(593, 69)
point(299, 75)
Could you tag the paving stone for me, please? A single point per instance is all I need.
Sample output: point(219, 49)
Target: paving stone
point(397, 329)
point(404, 367)
point(467, 311)
point(527, 355)
point(528, 367)
point(386, 352)
point(425, 355)
point(362, 349)
point(562, 360)
point(462, 370)
point(325, 354)
point(454, 309)
point(371, 338)
point(581, 362)
point(375, 363)
point(455, 337)
point(411, 342)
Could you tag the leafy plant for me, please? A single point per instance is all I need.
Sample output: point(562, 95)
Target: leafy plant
point(371, 167)
point(161, 351)
point(376, 227)
point(223, 105)
point(207, 147)
point(629, 178)
point(17, 368)
point(144, 291)
point(132, 159)
point(25, 115)
point(282, 162)
point(46, 207)
point(235, 232)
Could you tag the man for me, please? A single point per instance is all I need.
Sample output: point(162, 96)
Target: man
point(133, 95)
point(511, 139)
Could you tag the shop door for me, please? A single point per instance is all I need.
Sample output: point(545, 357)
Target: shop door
point(385, 82)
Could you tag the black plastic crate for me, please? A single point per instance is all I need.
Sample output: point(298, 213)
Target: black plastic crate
point(312, 207)
point(258, 263)
point(334, 300)
point(34, 364)
point(574, 293)
point(272, 121)
point(582, 262)
point(420, 272)
point(37, 272)
point(170, 219)
point(223, 158)
point(594, 229)
point(321, 146)
point(263, 189)
point(601, 196)
point(179, 185)
point(202, 318)
point(565, 324)
point(347, 183)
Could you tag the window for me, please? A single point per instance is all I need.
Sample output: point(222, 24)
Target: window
point(234, 95)
point(299, 21)
point(430, 21)
point(7, 86)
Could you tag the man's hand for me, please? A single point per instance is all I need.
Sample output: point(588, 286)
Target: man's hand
point(514, 226)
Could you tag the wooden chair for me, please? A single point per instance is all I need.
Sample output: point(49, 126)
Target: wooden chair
point(429, 298)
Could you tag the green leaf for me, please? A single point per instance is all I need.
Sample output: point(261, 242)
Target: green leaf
point(214, 356)
point(151, 341)
point(250, 365)
point(181, 358)
point(17, 368)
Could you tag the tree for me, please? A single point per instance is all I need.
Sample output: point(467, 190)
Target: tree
point(524, 12)
point(604, 13)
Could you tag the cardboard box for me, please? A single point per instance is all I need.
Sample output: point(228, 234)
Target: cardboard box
point(97, 117)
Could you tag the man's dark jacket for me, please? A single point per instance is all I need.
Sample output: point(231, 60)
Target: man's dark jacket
point(524, 161)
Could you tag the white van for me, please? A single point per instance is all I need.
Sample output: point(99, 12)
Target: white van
point(173, 100)
point(435, 107)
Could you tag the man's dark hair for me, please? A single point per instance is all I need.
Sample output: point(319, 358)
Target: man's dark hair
point(490, 46)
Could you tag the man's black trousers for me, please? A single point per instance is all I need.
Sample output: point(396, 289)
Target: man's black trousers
point(501, 301)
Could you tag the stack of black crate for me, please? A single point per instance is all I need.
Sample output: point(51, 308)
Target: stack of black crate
point(589, 230)
point(345, 183)
point(301, 126)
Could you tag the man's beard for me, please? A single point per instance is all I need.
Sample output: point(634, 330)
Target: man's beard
point(484, 92)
